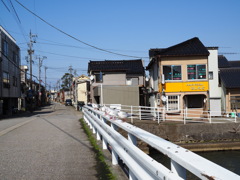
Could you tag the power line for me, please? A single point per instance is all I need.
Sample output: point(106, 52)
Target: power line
point(67, 45)
point(15, 12)
point(68, 55)
point(5, 6)
point(87, 44)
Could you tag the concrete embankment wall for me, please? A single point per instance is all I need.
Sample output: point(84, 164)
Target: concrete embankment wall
point(196, 136)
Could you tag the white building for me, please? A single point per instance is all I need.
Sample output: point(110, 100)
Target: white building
point(214, 89)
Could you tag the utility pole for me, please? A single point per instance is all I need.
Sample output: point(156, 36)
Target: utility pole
point(40, 59)
point(30, 52)
point(70, 88)
point(45, 78)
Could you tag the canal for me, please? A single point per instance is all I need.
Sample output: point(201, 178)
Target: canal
point(227, 159)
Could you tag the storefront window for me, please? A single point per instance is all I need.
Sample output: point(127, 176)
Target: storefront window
point(197, 71)
point(172, 72)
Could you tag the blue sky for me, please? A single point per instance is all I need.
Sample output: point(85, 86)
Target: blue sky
point(125, 27)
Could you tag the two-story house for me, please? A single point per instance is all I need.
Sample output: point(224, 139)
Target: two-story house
point(10, 88)
point(179, 77)
point(116, 81)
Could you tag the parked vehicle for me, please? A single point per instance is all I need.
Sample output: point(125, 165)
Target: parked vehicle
point(68, 102)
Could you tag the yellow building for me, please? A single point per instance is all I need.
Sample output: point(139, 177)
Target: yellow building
point(179, 77)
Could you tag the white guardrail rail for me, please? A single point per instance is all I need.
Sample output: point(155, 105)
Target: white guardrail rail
point(142, 166)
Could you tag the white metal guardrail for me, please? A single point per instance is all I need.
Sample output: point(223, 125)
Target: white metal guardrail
point(142, 166)
point(182, 115)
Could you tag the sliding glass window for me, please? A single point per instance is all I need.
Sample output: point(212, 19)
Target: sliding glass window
point(196, 71)
point(172, 72)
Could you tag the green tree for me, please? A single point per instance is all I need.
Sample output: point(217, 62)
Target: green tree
point(66, 81)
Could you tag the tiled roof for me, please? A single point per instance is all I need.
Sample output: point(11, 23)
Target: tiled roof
point(234, 63)
point(230, 77)
point(128, 66)
point(223, 62)
point(191, 47)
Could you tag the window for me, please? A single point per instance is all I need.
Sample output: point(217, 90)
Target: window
point(5, 48)
point(172, 103)
point(197, 71)
point(15, 58)
point(6, 80)
point(14, 81)
point(210, 75)
point(235, 102)
point(172, 72)
point(99, 77)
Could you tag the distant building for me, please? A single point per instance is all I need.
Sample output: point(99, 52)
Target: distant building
point(229, 73)
point(81, 89)
point(10, 93)
point(24, 87)
point(116, 81)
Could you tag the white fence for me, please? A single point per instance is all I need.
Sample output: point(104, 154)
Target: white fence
point(142, 166)
point(182, 115)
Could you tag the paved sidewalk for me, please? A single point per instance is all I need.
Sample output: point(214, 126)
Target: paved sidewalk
point(50, 145)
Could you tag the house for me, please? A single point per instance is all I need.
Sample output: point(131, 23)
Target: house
point(116, 81)
point(179, 77)
point(10, 87)
point(229, 73)
point(81, 88)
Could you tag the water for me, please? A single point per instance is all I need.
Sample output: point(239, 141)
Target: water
point(227, 159)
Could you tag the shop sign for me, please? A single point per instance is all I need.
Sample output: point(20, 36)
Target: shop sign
point(185, 86)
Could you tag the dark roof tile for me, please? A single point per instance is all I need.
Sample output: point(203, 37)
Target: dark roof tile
point(223, 62)
point(234, 63)
point(230, 77)
point(128, 66)
point(191, 47)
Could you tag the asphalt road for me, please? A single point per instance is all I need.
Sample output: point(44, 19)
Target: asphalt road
point(49, 144)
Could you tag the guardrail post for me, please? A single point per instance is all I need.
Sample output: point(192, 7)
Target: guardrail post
point(178, 169)
point(132, 139)
point(158, 114)
point(98, 136)
point(90, 125)
point(94, 130)
point(132, 176)
point(114, 157)
point(104, 144)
